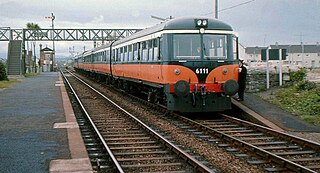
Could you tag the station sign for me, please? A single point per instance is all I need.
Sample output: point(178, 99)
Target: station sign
point(273, 54)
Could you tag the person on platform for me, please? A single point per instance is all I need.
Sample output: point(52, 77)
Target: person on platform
point(242, 80)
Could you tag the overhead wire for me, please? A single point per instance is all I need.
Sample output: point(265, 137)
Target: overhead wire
point(244, 3)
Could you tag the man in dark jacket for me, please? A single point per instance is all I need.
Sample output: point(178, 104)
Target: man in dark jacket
point(241, 80)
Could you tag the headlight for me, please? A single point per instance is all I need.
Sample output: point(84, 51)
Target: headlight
point(204, 22)
point(201, 23)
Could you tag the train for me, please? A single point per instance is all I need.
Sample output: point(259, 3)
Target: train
point(188, 64)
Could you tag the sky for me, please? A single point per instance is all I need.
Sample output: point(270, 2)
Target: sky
point(257, 22)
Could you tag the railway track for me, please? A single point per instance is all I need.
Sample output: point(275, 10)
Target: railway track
point(278, 151)
point(131, 145)
point(272, 150)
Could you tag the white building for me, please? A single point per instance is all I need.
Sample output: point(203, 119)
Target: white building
point(307, 56)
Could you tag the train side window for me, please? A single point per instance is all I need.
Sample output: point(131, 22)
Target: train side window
point(135, 52)
point(144, 51)
point(163, 43)
point(125, 50)
point(121, 54)
point(117, 55)
point(104, 58)
point(150, 50)
point(155, 49)
point(108, 55)
point(130, 53)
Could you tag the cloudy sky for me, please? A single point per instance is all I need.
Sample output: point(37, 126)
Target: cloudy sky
point(258, 22)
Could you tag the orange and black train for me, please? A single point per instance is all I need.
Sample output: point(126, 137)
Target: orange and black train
point(187, 64)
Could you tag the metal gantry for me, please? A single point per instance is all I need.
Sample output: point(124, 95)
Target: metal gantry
point(7, 34)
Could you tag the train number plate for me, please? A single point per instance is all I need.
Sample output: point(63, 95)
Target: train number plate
point(202, 71)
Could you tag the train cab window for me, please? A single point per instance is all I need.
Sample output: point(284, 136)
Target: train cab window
point(186, 46)
point(234, 48)
point(215, 46)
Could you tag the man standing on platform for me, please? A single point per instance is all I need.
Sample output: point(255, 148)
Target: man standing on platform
point(241, 80)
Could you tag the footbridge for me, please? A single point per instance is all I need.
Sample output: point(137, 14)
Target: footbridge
point(18, 37)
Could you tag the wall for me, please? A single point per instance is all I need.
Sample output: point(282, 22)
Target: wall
point(257, 80)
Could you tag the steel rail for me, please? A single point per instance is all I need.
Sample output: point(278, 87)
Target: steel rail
point(304, 142)
point(191, 160)
point(277, 159)
point(113, 158)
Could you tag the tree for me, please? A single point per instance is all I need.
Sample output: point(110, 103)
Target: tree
point(3, 73)
point(33, 26)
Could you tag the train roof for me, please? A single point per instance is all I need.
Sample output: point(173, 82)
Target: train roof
point(183, 23)
point(189, 23)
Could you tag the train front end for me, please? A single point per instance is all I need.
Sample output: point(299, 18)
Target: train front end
point(202, 68)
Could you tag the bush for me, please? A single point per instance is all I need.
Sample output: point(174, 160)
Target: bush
point(298, 75)
point(304, 103)
point(3, 73)
point(305, 85)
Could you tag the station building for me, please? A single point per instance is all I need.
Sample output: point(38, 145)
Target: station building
point(46, 59)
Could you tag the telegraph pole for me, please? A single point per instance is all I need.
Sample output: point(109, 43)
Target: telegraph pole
point(52, 17)
point(215, 7)
point(53, 47)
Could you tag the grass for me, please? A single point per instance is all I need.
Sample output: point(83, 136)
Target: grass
point(301, 99)
point(11, 82)
point(7, 84)
point(31, 74)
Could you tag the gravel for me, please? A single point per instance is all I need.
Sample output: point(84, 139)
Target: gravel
point(224, 161)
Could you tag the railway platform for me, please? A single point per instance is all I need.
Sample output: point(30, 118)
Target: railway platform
point(273, 116)
point(38, 131)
